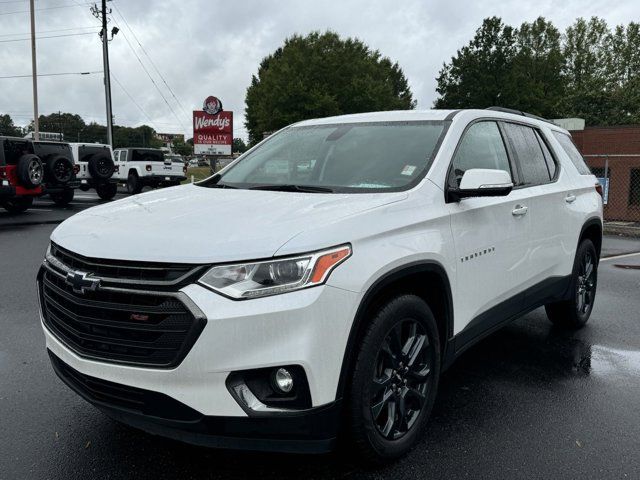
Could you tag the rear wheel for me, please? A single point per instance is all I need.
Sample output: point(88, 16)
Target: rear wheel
point(106, 191)
point(17, 205)
point(574, 312)
point(395, 380)
point(30, 171)
point(133, 183)
point(62, 199)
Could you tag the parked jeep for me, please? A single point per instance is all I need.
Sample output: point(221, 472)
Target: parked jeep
point(96, 168)
point(21, 174)
point(141, 167)
point(59, 170)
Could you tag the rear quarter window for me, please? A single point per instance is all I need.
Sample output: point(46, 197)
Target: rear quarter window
point(14, 149)
point(85, 152)
point(572, 151)
point(141, 155)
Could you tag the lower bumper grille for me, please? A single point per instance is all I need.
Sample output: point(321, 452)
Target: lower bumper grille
point(138, 328)
point(122, 397)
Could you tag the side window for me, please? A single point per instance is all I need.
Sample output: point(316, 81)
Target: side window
point(481, 147)
point(526, 146)
point(570, 149)
point(548, 157)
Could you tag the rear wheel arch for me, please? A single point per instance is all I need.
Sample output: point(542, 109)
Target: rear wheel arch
point(428, 280)
point(592, 229)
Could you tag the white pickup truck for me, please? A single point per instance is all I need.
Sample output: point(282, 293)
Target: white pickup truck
point(140, 167)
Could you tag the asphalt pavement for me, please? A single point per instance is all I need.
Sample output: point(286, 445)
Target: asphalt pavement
point(530, 401)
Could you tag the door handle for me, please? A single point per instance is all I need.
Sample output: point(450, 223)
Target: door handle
point(570, 198)
point(519, 211)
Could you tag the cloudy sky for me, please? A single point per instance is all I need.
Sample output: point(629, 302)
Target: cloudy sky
point(205, 47)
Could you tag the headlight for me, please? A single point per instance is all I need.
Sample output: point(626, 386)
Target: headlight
point(260, 279)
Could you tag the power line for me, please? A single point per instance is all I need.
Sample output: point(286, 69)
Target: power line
point(133, 100)
point(150, 60)
point(151, 78)
point(50, 36)
point(47, 8)
point(52, 74)
point(47, 31)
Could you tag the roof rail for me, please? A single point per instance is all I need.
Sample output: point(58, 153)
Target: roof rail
point(518, 112)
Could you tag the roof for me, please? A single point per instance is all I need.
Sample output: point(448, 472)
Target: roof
point(424, 115)
point(388, 116)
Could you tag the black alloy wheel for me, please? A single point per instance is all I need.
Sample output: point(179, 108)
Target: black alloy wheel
point(401, 378)
point(395, 379)
point(574, 312)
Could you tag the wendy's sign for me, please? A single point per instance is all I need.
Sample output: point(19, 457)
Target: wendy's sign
point(212, 129)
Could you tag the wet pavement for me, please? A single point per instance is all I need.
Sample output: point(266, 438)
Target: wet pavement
point(530, 401)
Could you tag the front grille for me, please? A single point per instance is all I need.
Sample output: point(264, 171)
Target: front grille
point(122, 397)
point(120, 271)
point(147, 328)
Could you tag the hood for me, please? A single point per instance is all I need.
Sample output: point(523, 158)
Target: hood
point(191, 224)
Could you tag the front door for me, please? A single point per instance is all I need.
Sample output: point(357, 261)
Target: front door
point(491, 237)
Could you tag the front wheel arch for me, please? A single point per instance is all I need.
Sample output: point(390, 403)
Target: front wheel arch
point(411, 278)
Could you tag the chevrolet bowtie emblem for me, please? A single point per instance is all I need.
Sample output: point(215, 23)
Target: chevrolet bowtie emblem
point(81, 282)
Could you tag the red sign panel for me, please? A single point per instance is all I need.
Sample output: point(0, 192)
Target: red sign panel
point(212, 134)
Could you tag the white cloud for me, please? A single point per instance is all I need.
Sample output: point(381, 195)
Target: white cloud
point(205, 47)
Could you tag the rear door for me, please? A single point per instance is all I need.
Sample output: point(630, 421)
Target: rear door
point(491, 238)
point(549, 191)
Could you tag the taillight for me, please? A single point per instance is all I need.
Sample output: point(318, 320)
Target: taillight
point(76, 169)
point(184, 169)
point(599, 189)
point(117, 168)
point(148, 167)
point(4, 181)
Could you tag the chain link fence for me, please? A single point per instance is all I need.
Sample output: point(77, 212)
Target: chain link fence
point(619, 175)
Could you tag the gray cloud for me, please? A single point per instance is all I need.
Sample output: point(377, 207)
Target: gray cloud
point(205, 47)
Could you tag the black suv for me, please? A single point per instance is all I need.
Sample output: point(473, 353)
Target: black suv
point(59, 170)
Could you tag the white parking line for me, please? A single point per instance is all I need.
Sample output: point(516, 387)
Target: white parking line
point(615, 257)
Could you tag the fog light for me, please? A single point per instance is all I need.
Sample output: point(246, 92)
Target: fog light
point(283, 380)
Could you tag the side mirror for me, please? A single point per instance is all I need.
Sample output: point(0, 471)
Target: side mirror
point(482, 182)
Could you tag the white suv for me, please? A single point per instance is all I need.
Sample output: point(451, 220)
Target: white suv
point(95, 168)
point(321, 283)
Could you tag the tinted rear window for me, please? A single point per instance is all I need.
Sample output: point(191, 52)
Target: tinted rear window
point(14, 149)
point(142, 155)
point(85, 152)
point(572, 151)
point(529, 153)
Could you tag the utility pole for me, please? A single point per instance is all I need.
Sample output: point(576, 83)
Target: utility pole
point(104, 34)
point(34, 71)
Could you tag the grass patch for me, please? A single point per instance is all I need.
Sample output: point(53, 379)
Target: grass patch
point(199, 173)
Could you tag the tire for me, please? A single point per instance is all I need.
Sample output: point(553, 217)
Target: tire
point(30, 171)
point(17, 205)
point(101, 166)
point(106, 191)
point(59, 169)
point(133, 183)
point(64, 198)
point(375, 426)
point(575, 312)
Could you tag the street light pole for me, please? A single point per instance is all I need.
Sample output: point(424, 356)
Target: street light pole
point(34, 71)
point(107, 75)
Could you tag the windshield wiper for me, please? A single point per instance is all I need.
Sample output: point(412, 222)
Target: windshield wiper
point(221, 185)
point(293, 188)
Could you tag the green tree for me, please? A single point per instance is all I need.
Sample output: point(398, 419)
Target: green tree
point(478, 75)
point(238, 146)
point(70, 125)
point(8, 128)
point(624, 73)
point(536, 84)
point(182, 148)
point(587, 70)
point(320, 75)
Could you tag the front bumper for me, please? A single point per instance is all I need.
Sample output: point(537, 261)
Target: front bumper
point(307, 328)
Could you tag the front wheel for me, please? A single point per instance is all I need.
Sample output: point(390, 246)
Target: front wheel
point(106, 191)
point(133, 183)
point(62, 199)
point(574, 312)
point(395, 380)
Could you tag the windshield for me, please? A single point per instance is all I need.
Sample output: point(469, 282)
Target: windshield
point(341, 157)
